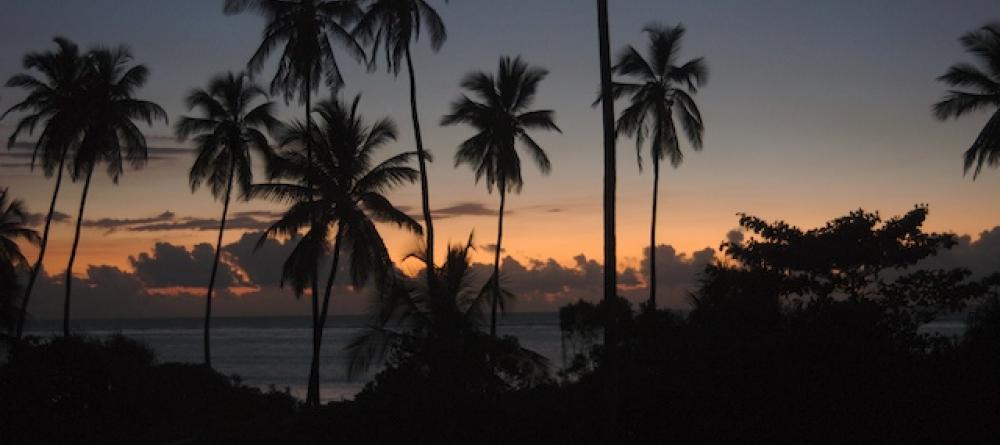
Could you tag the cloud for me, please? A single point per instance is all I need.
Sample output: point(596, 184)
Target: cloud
point(263, 214)
point(169, 221)
point(38, 219)
point(169, 281)
point(108, 292)
point(17, 165)
point(541, 284)
point(189, 223)
point(465, 209)
point(104, 292)
point(981, 256)
point(23, 151)
point(113, 224)
point(174, 266)
point(468, 208)
point(735, 236)
point(491, 248)
point(629, 277)
point(261, 265)
point(676, 273)
point(546, 284)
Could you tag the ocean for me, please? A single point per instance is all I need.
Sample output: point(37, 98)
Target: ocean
point(268, 352)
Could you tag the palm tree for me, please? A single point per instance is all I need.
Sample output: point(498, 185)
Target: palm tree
point(499, 114)
point(659, 91)
point(343, 191)
point(982, 92)
point(110, 135)
point(393, 25)
point(306, 31)
point(442, 330)
point(229, 126)
point(54, 101)
point(13, 226)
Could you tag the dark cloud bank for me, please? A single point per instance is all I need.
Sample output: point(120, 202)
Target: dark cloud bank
point(169, 280)
point(166, 222)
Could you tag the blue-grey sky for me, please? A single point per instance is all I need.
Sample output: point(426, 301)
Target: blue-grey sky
point(813, 108)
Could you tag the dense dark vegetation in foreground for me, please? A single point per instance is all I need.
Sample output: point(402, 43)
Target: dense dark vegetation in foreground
point(830, 374)
point(814, 338)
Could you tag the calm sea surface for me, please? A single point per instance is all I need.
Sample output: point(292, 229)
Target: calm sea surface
point(276, 350)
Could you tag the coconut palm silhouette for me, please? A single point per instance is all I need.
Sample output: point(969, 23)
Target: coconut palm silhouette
point(499, 111)
point(54, 100)
point(230, 126)
point(976, 89)
point(659, 90)
point(343, 191)
point(391, 26)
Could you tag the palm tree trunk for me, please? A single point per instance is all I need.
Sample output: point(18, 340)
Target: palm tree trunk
point(215, 266)
point(72, 252)
point(496, 260)
point(41, 252)
point(610, 173)
point(312, 393)
point(610, 259)
point(318, 343)
point(422, 161)
point(652, 237)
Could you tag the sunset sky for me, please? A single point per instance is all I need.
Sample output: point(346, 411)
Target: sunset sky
point(812, 109)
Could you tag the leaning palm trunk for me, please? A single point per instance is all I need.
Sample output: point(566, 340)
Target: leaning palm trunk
point(41, 252)
point(496, 259)
point(318, 343)
point(652, 237)
point(422, 161)
point(215, 267)
point(72, 252)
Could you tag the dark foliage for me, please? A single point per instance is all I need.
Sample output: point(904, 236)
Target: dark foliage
point(976, 88)
point(80, 390)
point(809, 340)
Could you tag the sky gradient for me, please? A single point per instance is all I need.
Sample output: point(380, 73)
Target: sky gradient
point(812, 109)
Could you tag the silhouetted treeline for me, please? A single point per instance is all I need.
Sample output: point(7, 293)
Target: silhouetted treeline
point(800, 336)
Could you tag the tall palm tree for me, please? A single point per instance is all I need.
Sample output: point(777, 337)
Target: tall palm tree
point(981, 91)
point(343, 191)
point(229, 126)
point(610, 163)
point(306, 31)
point(500, 115)
point(13, 226)
point(110, 135)
point(393, 26)
point(53, 100)
point(659, 91)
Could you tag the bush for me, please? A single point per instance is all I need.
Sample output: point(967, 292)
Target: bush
point(89, 390)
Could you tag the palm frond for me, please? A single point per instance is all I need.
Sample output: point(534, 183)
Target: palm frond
point(986, 149)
